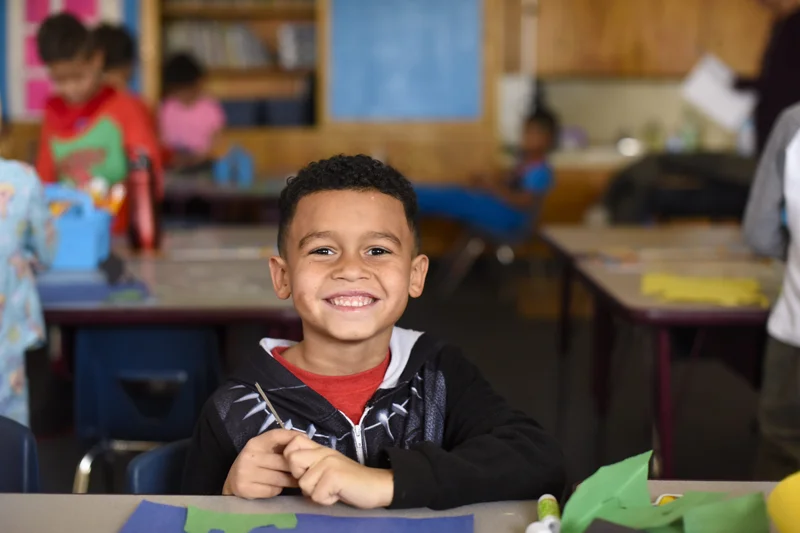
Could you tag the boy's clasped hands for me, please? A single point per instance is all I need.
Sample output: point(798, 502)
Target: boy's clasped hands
point(282, 458)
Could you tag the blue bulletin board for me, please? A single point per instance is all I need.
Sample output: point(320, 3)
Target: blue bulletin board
point(405, 60)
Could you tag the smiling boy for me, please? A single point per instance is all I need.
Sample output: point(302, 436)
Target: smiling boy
point(375, 415)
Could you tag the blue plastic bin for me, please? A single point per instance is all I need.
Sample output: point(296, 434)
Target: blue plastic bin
point(84, 232)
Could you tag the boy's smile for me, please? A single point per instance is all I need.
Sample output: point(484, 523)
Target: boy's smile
point(350, 264)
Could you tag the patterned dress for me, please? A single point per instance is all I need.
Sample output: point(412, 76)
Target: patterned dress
point(27, 238)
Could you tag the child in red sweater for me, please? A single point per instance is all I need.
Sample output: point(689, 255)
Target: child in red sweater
point(90, 129)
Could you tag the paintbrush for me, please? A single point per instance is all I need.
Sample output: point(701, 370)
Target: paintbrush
point(269, 406)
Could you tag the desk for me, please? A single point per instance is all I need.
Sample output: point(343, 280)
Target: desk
point(89, 513)
point(223, 199)
point(213, 290)
point(617, 289)
point(570, 243)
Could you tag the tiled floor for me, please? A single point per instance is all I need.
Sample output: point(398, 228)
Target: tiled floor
point(715, 437)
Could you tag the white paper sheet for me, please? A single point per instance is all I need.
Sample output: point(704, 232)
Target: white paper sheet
point(515, 99)
point(710, 88)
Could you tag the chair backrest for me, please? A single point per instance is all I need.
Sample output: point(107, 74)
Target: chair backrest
point(19, 462)
point(158, 471)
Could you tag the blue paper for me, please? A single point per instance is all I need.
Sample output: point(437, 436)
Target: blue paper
point(154, 517)
point(84, 287)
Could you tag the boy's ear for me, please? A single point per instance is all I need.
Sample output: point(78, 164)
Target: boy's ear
point(419, 271)
point(280, 277)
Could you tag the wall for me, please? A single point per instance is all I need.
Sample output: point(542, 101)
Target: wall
point(605, 108)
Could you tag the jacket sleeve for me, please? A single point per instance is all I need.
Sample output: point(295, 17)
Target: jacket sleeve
point(210, 457)
point(763, 227)
point(490, 451)
point(45, 166)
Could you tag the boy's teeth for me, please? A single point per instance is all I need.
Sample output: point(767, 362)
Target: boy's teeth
point(352, 301)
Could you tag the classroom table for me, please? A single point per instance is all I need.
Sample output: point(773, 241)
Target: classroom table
point(223, 200)
point(215, 277)
point(617, 292)
point(571, 243)
point(90, 513)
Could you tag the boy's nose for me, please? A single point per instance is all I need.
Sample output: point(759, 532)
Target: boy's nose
point(350, 267)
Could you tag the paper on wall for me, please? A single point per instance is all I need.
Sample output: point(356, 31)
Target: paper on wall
point(516, 97)
point(710, 88)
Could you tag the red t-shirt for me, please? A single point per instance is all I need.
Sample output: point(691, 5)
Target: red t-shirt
point(348, 394)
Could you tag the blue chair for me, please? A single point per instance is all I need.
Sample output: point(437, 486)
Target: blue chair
point(136, 388)
point(473, 243)
point(19, 462)
point(158, 471)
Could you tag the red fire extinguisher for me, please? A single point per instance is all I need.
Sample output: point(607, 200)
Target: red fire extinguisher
point(144, 230)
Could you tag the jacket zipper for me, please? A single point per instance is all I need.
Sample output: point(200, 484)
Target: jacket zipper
point(358, 434)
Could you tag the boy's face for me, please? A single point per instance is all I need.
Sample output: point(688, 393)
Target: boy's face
point(536, 140)
point(77, 80)
point(349, 263)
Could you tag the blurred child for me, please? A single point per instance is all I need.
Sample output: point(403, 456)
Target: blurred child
point(190, 120)
point(501, 206)
point(777, 187)
point(90, 129)
point(119, 54)
point(26, 237)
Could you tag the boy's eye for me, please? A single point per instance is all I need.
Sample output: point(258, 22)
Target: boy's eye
point(322, 251)
point(378, 251)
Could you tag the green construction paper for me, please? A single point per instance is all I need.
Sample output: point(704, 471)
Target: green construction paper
point(202, 521)
point(655, 516)
point(624, 482)
point(747, 514)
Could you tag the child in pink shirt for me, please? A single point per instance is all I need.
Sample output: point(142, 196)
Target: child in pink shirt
point(189, 120)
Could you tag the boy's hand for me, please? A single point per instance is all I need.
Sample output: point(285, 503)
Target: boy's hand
point(260, 470)
point(326, 476)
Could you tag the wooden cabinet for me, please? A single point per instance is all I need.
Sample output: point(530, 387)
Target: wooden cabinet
point(587, 37)
point(641, 38)
point(737, 31)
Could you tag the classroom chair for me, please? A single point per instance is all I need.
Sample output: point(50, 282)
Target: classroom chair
point(19, 463)
point(158, 471)
point(136, 388)
point(475, 241)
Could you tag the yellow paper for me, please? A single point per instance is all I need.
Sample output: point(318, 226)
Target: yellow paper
point(726, 292)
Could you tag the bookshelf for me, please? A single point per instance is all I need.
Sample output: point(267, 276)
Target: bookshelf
point(281, 10)
point(242, 43)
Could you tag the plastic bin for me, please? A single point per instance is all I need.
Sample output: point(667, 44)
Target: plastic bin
point(84, 232)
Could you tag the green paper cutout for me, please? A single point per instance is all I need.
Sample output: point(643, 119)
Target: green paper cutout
point(203, 521)
point(624, 482)
point(651, 516)
point(747, 514)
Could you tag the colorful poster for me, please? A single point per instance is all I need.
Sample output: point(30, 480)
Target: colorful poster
point(86, 10)
point(36, 10)
point(36, 93)
point(27, 93)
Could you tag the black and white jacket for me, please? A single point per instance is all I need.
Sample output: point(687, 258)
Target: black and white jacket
point(449, 439)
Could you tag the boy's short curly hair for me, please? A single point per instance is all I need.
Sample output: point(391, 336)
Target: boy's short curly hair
point(117, 45)
point(62, 37)
point(346, 173)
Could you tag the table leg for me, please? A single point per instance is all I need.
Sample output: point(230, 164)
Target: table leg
point(603, 339)
point(663, 399)
point(564, 313)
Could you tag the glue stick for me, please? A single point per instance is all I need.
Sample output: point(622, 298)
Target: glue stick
point(549, 516)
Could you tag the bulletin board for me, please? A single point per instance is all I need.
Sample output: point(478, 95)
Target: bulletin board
point(405, 60)
point(26, 90)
